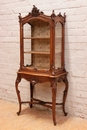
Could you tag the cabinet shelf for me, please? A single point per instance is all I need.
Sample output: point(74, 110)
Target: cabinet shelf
point(37, 52)
point(37, 38)
point(37, 67)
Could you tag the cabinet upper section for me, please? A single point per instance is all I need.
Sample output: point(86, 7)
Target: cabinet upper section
point(42, 42)
point(35, 14)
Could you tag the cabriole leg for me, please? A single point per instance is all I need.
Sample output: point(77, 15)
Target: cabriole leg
point(54, 89)
point(65, 94)
point(18, 93)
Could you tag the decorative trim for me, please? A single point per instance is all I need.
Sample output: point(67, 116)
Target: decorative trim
point(62, 16)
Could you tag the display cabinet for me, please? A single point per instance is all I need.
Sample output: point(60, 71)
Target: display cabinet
point(42, 55)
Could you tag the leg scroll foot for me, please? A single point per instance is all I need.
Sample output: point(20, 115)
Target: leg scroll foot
point(65, 113)
point(18, 113)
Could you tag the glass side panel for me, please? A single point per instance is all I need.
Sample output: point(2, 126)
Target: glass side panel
point(37, 44)
point(27, 44)
point(58, 45)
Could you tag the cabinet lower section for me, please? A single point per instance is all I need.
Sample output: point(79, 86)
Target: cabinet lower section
point(40, 78)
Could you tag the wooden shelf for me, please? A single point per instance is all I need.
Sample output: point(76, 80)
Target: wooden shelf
point(37, 52)
point(37, 67)
point(37, 38)
point(40, 52)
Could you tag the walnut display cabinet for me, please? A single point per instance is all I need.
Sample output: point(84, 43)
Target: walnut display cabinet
point(42, 56)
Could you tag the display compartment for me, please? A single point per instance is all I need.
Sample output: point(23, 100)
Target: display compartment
point(36, 43)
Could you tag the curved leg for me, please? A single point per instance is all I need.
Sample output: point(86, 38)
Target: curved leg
point(65, 94)
point(18, 93)
point(31, 94)
point(54, 89)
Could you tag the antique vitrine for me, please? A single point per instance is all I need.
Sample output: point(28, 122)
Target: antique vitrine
point(42, 55)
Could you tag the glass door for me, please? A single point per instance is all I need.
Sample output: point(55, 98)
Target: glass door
point(37, 44)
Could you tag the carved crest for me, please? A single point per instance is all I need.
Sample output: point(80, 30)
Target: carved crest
point(35, 11)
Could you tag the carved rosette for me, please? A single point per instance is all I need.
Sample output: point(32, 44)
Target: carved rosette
point(34, 81)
